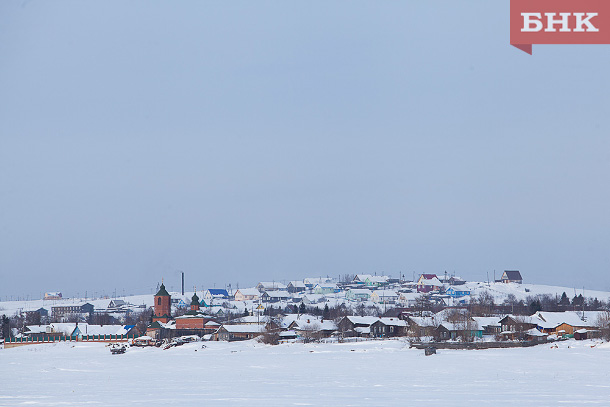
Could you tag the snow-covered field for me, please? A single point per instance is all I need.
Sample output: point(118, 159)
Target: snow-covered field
point(372, 373)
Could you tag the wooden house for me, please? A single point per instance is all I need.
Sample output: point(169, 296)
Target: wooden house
point(560, 323)
point(421, 326)
point(511, 276)
point(275, 296)
point(313, 327)
point(361, 278)
point(515, 326)
point(388, 328)
point(384, 296)
point(376, 281)
point(466, 330)
point(239, 332)
point(296, 287)
point(270, 286)
point(247, 294)
point(489, 325)
point(428, 282)
point(355, 326)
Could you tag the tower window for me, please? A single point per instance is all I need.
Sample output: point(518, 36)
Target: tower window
point(159, 301)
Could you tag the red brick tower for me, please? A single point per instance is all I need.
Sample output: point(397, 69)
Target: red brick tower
point(163, 306)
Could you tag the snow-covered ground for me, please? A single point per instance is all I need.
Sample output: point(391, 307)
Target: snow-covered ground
point(501, 291)
point(351, 374)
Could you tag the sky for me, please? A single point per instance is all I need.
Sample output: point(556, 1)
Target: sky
point(243, 141)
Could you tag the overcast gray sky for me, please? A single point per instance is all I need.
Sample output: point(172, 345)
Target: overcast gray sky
point(245, 141)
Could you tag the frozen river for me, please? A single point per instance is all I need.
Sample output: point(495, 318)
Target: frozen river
point(355, 374)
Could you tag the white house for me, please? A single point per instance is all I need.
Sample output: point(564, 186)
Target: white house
point(247, 294)
point(384, 296)
point(358, 294)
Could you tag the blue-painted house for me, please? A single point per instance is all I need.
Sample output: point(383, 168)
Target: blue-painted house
point(456, 292)
point(215, 296)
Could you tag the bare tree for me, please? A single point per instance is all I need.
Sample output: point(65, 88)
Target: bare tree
point(347, 278)
point(101, 319)
point(271, 334)
point(422, 303)
point(603, 322)
point(483, 305)
point(311, 332)
point(32, 318)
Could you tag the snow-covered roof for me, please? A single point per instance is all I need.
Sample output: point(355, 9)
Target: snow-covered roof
point(278, 294)
point(430, 281)
point(314, 297)
point(317, 324)
point(249, 328)
point(550, 320)
point(535, 332)
point(249, 291)
point(124, 330)
point(487, 321)
point(424, 321)
point(250, 319)
point(385, 293)
point(392, 322)
point(461, 326)
point(290, 318)
point(327, 285)
point(523, 319)
point(447, 312)
point(378, 279)
point(362, 320)
point(316, 280)
point(271, 285)
point(592, 316)
point(297, 284)
point(360, 291)
point(216, 292)
point(36, 329)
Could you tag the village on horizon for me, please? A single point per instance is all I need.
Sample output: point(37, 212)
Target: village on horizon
point(432, 309)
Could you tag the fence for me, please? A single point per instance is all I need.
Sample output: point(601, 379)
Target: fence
point(475, 345)
point(29, 340)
